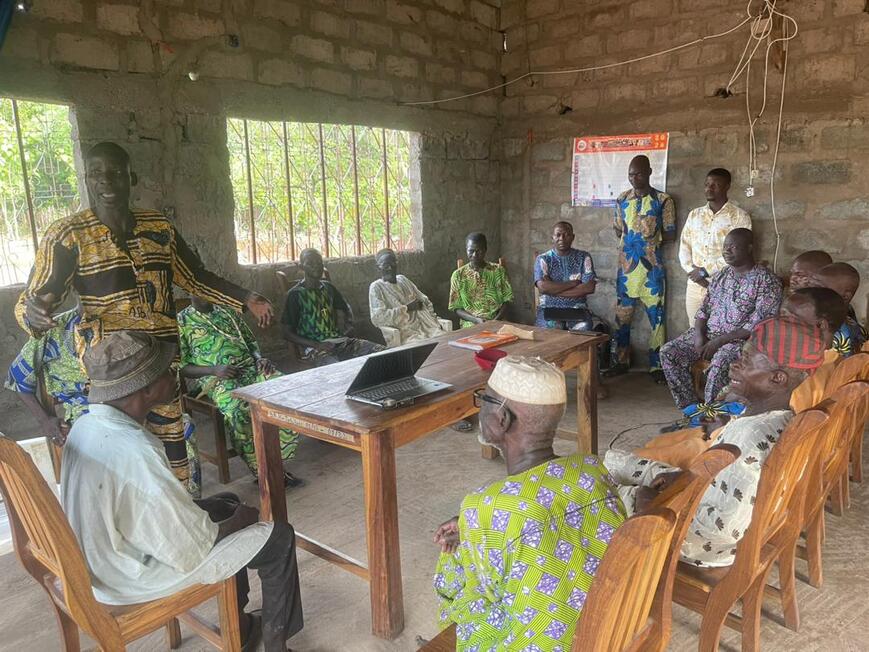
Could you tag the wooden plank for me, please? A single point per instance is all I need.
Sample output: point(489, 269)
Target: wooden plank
point(270, 471)
point(332, 555)
point(586, 400)
point(309, 428)
point(381, 526)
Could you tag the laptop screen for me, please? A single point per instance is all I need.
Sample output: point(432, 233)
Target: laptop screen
point(391, 365)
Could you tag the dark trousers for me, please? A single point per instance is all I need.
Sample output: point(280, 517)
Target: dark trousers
point(278, 572)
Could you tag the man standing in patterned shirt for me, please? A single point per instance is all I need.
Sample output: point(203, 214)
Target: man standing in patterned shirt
point(644, 219)
point(703, 237)
point(311, 317)
point(123, 262)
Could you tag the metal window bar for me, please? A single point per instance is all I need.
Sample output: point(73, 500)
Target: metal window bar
point(250, 194)
point(356, 193)
point(289, 192)
point(30, 213)
point(386, 189)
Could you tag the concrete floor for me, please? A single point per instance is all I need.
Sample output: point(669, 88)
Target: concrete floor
point(433, 476)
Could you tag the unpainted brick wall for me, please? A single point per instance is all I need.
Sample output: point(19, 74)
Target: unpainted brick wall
point(820, 190)
point(123, 68)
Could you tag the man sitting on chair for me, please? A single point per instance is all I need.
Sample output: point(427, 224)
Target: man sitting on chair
point(565, 277)
point(221, 354)
point(843, 279)
point(142, 535)
point(311, 316)
point(53, 355)
point(396, 302)
point(479, 290)
point(740, 296)
point(779, 355)
point(519, 560)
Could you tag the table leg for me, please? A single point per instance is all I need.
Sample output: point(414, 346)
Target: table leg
point(272, 493)
point(586, 400)
point(381, 523)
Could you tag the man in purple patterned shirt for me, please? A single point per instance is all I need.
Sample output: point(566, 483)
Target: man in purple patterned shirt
point(739, 297)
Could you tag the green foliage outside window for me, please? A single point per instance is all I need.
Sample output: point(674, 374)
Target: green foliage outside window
point(363, 198)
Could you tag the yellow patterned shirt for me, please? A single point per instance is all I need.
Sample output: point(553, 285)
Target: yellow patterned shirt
point(703, 236)
point(122, 285)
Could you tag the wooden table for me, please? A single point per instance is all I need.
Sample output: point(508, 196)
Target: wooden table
point(312, 403)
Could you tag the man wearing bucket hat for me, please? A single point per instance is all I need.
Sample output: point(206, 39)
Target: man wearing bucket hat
point(142, 535)
point(534, 538)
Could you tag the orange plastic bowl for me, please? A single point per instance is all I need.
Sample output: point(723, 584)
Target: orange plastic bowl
point(487, 358)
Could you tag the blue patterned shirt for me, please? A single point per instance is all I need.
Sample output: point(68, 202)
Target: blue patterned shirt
point(576, 265)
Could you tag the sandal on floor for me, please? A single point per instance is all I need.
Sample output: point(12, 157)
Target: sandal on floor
point(290, 481)
point(616, 370)
point(462, 426)
point(658, 377)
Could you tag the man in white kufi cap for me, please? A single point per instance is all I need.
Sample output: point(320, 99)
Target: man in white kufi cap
point(535, 537)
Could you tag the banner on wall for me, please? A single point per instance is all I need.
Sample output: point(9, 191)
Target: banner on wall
point(600, 165)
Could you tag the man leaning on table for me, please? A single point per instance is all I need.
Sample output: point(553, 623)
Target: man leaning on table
point(702, 239)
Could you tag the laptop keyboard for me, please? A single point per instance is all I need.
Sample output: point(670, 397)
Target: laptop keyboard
point(377, 393)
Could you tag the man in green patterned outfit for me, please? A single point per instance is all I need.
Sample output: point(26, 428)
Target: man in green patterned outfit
point(517, 563)
point(311, 317)
point(479, 290)
point(221, 354)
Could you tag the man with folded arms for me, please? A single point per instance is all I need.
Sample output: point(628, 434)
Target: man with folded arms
point(519, 560)
point(143, 536)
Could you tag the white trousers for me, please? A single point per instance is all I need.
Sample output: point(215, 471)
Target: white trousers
point(694, 295)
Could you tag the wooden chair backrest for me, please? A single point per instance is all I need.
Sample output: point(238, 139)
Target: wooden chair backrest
point(620, 598)
point(44, 541)
point(682, 497)
point(781, 490)
point(848, 405)
point(854, 367)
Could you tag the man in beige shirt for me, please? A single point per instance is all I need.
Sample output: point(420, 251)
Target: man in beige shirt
point(703, 236)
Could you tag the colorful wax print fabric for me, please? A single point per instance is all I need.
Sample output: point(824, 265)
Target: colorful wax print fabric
point(530, 546)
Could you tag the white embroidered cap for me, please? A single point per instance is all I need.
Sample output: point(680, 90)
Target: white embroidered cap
point(529, 380)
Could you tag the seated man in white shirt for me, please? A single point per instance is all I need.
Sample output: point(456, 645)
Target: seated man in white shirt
point(142, 535)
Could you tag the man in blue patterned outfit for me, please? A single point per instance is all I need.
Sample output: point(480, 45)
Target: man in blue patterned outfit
point(564, 276)
point(644, 219)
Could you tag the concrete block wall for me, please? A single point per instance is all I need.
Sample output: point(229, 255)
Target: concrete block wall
point(123, 67)
point(820, 192)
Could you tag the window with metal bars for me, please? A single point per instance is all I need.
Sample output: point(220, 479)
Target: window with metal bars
point(345, 190)
point(38, 182)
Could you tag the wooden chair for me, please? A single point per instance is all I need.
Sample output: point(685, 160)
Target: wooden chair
point(222, 452)
point(855, 367)
point(829, 464)
point(682, 498)
point(772, 535)
point(47, 548)
point(621, 595)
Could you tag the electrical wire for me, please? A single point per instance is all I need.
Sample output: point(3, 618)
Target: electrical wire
point(642, 425)
point(573, 71)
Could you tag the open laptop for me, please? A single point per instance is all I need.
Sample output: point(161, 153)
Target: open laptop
point(388, 379)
